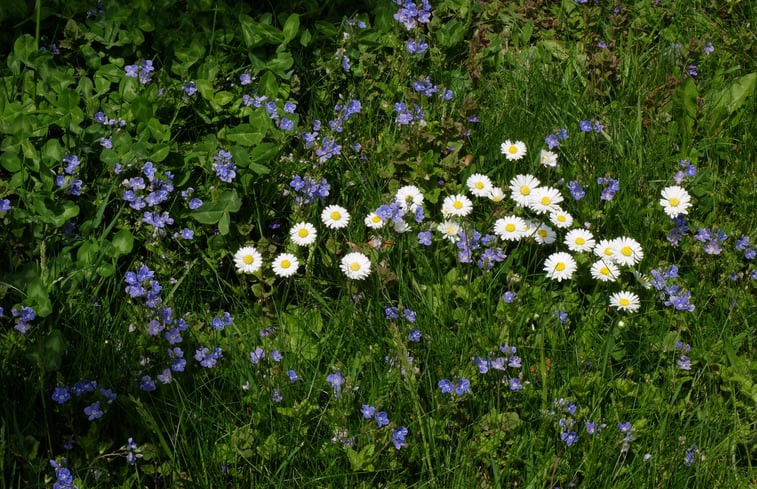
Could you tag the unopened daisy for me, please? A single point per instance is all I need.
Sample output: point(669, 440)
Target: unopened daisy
point(496, 195)
point(548, 158)
point(604, 271)
point(401, 227)
point(579, 240)
point(513, 151)
point(560, 266)
point(561, 219)
point(450, 230)
point(625, 301)
point(303, 234)
point(285, 265)
point(409, 197)
point(457, 205)
point(373, 221)
point(675, 201)
point(479, 185)
point(248, 260)
point(544, 234)
point(545, 199)
point(627, 251)
point(355, 265)
point(510, 228)
point(605, 249)
point(521, 188)
point(335, 217)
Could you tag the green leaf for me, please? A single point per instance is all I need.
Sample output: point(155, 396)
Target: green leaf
point(142, 108)
point(87, 253)
point(10, 161)
point(212, 212)
point(223, 223)
point(264, 152)
point(291, 26)
point(281, 63)
point(160, 151)
point(36, 293)
point(123, 242)
point(245, 134)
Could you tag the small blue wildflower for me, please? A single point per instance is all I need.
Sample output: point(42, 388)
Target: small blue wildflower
point(367, 411)
point(576, 191)
point(290, 107)
point(391, 312)
point(592, 428)
point(190, 88)
point(509, 297)
point(446, 386)
point(245, 79)
point(257, 355)
point(569, 438)
point(93, 411)
point(551, 141)
point(5, 205)
point(382, 419)
point(409, 315)
point(398, 437)
point(688, 457)
point(61, 395)
point(462, 387)
point(336, 380)
point(293, 377)
point(414, 336)
point(585, 126)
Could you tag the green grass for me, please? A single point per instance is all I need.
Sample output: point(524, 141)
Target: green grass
point(526, 70)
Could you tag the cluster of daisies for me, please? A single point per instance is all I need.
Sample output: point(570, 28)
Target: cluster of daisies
point(354, 265)
point(530, 198)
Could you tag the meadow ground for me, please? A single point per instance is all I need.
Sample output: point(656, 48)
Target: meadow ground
point(378, 244)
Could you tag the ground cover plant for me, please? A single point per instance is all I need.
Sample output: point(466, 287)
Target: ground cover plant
point(387, 244)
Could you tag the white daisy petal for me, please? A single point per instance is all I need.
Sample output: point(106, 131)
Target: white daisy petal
point(355, 265)
point(248, 260)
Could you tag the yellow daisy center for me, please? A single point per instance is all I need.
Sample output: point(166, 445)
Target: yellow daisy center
point(457, 204)
point(608, 251)
point(376, 219)
point(496, 198)
point(674, 202)
point(510, 227)
point(580, 241)
point(561, 218)
point(545, 200)
point(479, 185)
point(604, 271)
point(451, 230)
point(354, 266)
point(525, 190)
point(560, 267)
point(303, 233)
point(285, 264)
point(624, 301)
point(542, 233)
point(512, 149)
point(627, 251)
point(336, 215)
point(248, 259)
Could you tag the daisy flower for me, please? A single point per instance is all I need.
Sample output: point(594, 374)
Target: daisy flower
point(373, 221)
point(496, 195)
point(548, 158)
point(303, 234)
point(560, 266)
point(248, 260)
point(457, 205)
point(579, 240)
point(604, 271)
point(625, 301)
point(401, 227)
point(356, 265)
point(513, 151)
point(510, 228)
point(544, 199)
point(544, 234)
point(605, 249)
point(335, 217)
point(521, 187)
point(627, 251)
point(450, 230)
point(285, 265)
point(561, 219)
point(675, 201)
point(479, 185)
point(409, 197)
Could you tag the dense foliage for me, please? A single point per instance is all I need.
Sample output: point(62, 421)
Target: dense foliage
point(385, 244)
